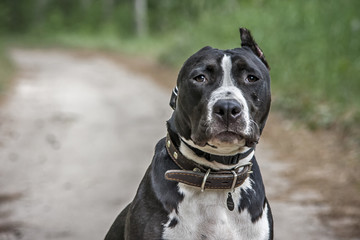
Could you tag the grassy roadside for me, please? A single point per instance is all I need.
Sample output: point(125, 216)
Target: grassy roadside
point(6, 69)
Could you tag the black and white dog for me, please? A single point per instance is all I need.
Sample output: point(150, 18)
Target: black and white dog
point(204, 181)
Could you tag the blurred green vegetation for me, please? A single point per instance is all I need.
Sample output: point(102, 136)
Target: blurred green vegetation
point(313, 47)
point(6, 69)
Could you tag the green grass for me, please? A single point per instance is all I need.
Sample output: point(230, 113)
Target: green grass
point(6, 69)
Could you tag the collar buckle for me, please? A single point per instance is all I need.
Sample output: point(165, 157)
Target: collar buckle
point(204, 180)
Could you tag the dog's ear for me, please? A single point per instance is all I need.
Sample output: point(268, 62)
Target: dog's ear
point(248, 41)
point(173, 98)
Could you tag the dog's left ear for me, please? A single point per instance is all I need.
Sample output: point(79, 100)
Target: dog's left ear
point(248, 41)
point(173, 98)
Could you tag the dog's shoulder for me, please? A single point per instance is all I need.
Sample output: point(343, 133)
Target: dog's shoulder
point(155, 198)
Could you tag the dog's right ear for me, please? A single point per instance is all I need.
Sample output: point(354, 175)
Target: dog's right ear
point(248, 41)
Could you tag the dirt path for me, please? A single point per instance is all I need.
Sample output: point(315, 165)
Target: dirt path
point(76, 135)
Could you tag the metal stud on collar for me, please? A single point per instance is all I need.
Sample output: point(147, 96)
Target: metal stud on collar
point(250, 169)
point(204, 180)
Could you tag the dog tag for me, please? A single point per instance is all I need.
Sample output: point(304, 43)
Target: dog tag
point(230, 202)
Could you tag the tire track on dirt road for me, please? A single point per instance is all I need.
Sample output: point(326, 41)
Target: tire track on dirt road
point(76, 136)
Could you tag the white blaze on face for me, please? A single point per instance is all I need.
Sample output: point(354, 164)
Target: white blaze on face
point(229, 91)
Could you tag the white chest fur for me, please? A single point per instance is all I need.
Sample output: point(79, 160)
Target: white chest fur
point(204, 215)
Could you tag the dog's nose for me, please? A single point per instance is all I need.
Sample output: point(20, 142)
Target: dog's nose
point(227, 109)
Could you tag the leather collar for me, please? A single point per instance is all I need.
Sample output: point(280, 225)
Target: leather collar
point(194, 174)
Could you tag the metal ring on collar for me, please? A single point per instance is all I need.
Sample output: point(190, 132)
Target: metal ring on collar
point(234, 181)
point(204, 180)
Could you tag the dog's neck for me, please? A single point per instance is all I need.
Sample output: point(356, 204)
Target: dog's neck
point(209, 160)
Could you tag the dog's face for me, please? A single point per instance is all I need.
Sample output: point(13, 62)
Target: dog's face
point(224, 98)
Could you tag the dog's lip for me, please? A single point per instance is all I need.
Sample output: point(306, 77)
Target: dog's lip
point(229, 134)
point(226, 137)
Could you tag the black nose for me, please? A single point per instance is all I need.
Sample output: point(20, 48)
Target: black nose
point(227, 109)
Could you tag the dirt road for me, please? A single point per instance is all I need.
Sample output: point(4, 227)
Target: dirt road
point(76, 135)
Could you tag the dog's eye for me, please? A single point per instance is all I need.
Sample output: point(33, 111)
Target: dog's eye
point(252, 78)
point(201, 78)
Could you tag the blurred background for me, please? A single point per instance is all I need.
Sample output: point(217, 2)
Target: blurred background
point(313, 48)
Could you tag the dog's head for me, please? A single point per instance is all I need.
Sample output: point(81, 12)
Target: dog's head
point(223, 97)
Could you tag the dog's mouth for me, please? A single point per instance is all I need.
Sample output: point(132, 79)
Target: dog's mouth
point(224, 143)
point(226, 139)
point(230, 139)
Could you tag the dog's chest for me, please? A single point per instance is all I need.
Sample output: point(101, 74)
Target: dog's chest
point(205, 215)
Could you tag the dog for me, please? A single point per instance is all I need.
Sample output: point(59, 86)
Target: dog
point(204, 181)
